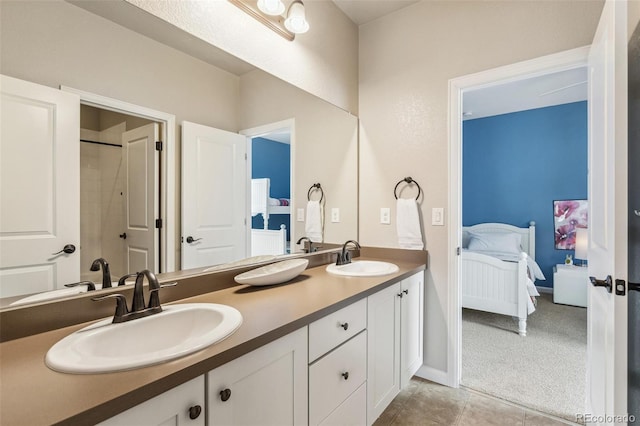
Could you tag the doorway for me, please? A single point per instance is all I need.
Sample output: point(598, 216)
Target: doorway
point(458, 87)
point(160, 209)
point(114, 225)
point(270, 153)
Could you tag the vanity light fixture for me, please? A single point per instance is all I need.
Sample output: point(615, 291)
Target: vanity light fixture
point(272, 14)
point(271, 7)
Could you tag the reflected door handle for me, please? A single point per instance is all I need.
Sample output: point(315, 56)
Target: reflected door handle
point(190, 239)
point(633, 286)
point(606, 283)
point(68, 249)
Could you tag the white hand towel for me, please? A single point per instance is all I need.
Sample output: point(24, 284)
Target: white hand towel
point(315, 219)
point(408, 224)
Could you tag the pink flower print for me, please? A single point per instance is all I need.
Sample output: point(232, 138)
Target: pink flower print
point(565, 237)
point(564, 209)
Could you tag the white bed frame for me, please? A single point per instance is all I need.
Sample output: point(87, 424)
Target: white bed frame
point(264, 241)
point(492, 285)
point(260, 193)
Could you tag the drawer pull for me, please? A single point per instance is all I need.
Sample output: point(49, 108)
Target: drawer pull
point(345, 326)
point(345, 375)
point(225, 394)
point(194, 412)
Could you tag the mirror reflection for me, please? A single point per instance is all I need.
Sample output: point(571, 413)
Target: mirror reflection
point(40, 44)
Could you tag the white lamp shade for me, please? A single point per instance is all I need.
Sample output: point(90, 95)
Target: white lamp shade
point(582, 243)
point(296, 21)
point(271, 7)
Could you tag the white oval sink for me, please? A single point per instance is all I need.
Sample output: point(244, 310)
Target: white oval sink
point(177, 331)
point(363, 268)
point(275, 273)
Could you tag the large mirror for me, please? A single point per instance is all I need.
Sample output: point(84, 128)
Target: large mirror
point(57, 43)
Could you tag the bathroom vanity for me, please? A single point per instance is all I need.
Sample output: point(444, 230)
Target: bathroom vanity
point(322, 349)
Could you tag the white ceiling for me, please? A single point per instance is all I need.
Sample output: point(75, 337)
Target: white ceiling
point(548, 90)
point(363, 11)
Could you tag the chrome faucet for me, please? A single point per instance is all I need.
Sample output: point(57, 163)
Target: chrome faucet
point(306, 250)
point(138, 308)
point(90, 285)
point(344, 257)
point(106, 274)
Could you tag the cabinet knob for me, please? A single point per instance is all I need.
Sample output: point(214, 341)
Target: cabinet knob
point(345, 325)
point(400, 295)
point(345, 375)
point(405, 291)
point(225, 394)
point(194, 412)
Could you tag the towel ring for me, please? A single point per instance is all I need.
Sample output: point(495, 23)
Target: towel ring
point(408, 180)
point(314, 187)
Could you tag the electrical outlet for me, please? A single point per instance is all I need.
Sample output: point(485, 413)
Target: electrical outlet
point(335, 215)
point(385, 215)
point(437, 216)
point(300, 215)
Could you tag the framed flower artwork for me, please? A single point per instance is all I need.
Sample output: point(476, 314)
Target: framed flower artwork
point(568, 215)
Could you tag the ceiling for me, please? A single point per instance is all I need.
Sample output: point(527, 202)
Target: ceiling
point(537, 92)
point(363, 11)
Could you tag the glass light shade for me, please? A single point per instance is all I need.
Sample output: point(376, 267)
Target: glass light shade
point(296, 21)
point(271, 7)
point(582, 243)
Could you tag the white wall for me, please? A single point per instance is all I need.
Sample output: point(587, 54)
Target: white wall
point(323, 61)
point(406, 60)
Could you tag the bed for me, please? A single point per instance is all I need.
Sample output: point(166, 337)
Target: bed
point(264, 241)
point(263, 204)
point(498, 270)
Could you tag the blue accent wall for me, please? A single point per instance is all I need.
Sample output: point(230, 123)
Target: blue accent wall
point(515, 165)
point(270, 159)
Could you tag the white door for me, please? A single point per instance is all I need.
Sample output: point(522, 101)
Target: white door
point(140, 159)
point(607, 313)
point(39, 187)
point(214, 188)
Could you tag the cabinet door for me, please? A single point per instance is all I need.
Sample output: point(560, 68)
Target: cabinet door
point(265, 387)
point(174, 407)
point(411, 335)
point(383, 350)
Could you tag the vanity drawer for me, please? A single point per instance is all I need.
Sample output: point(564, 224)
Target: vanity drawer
point(336, 376)
point(352, 412)
point(330, 331)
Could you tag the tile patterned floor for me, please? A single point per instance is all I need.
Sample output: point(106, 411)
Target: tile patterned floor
point(427, 403)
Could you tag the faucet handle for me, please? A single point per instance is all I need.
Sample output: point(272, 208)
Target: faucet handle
point(121, 305)
point(154, 298)
point(90, 285)
point(124, 278)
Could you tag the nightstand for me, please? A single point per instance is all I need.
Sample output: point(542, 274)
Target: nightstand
point(570, 285)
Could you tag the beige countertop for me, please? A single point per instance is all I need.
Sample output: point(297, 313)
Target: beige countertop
point(32, 394)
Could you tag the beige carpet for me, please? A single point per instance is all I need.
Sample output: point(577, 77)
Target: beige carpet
point(545, 371)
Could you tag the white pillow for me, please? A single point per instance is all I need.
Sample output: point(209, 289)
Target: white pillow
point(506, 242)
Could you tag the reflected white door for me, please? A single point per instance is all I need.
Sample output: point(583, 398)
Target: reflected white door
point(140, 159)
point(607, 313)
point(214, 188)
point(39, 187)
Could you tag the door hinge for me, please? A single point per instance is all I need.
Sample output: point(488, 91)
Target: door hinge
point(159, 146)
point(158, 223)
point(458, 251)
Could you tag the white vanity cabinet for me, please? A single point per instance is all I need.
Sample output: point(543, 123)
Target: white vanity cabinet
point(267, 386)
point(338, 367)
point(394, 349)
point(181, 406)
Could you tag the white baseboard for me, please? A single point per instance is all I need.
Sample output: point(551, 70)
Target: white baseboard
point(544, 289)
point(434, 375)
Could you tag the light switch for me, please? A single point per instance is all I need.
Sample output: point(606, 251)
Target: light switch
point(385, 215)
point(437, 216)
point(300, 215)
point(335, 215)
